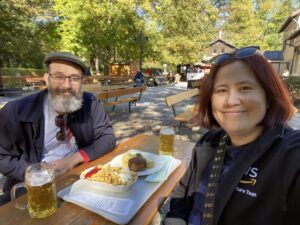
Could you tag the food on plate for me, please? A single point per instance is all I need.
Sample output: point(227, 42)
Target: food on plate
point(110, 175)
point(139, 162)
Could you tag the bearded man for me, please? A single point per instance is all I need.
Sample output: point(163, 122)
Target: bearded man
point(61, 125)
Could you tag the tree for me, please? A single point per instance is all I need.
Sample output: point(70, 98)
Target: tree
point(255, 22)
point(240, 23)
point(271, 15)
point(22, 32)
point(187, 28)
point(96, 30)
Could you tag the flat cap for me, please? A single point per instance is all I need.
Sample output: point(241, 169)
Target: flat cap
point(67, 57)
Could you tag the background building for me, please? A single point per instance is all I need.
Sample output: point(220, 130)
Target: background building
point(291, 42)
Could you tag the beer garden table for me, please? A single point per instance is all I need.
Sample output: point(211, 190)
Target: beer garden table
point(68, 213)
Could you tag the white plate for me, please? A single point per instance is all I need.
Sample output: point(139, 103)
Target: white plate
point(105, 186)
point(157, 159)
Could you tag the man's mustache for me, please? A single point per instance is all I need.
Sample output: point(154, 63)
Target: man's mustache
point(58, 91)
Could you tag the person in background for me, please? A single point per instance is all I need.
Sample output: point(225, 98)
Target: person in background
point(148, 72)
point(157, 72)
point(177, 78)
point(61, 125)
point(88, 72)
point(246, 169)
point(138, 78)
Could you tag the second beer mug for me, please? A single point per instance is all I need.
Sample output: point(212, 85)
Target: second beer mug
point(166, 141)
point(41, 191)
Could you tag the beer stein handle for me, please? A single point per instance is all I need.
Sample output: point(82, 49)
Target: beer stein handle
point(13, 196)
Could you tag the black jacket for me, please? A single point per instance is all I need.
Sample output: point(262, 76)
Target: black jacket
point(22, 133)
point(271, 193)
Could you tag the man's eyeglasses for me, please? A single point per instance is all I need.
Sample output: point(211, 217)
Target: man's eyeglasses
point(58, 78)
point(60, 123)
point(238, 54)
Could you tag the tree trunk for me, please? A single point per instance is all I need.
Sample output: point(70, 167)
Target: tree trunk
point(97, 66)
point(1, 83)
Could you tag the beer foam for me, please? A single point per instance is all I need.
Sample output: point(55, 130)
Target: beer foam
point(39, 178)
point(167, 131)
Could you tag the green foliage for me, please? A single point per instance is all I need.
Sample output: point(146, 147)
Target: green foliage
point(255, 22)
point(24, 32)
point(22, 72)
point(293, 83)
point(187, 28)
point(271, 14)
point(167, 31)
point(103, 30)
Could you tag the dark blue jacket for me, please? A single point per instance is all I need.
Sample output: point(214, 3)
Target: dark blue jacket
point(22, 133)
point(272, 196)
point(139, 75)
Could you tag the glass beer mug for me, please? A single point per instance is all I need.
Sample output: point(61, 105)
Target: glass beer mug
point(41, 191)
point(166, 141)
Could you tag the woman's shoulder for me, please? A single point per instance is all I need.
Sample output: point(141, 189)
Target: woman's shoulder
point(291, 137)
point(209, 140)
point(212, 136)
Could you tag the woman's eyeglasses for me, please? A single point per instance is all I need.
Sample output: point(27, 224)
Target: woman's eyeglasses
point(238, 54)
point(60, 123)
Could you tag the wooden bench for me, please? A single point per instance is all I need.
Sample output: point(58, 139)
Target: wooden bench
point(35, 83)
point(197, 84)
point(97, 88)
point(92, 87)
point(188, 114)
point(118, 94)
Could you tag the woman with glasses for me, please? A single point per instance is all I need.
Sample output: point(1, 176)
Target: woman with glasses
point(246, 169)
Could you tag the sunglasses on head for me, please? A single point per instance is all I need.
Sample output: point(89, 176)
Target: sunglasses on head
point(60, 123)
point(238, 54)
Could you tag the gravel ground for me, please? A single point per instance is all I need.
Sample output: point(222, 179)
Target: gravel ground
point(149, 115)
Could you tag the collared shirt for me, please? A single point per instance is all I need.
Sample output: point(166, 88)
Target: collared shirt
point(53, 149)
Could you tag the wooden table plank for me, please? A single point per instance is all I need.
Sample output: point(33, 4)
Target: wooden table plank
point(68, 213)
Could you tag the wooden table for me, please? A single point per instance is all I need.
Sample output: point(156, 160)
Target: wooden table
point(68, 213)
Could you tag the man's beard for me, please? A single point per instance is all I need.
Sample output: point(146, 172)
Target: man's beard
point(65, 104)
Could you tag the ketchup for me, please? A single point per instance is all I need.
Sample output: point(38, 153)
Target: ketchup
point(91, 172)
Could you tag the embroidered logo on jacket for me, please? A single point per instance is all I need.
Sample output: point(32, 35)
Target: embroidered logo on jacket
point(249, 179)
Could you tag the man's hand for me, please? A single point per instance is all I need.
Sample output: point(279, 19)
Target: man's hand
point(67, 163)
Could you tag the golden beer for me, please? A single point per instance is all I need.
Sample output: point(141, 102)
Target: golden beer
point(166, 141)
point(41, 199)
point(41, 191)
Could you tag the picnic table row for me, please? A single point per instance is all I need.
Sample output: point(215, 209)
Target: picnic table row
point(38, 81)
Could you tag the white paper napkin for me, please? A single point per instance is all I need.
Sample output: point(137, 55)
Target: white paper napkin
point(164, 172)
point(120, 206)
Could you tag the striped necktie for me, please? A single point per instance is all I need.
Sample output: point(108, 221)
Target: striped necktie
point(213, 181)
